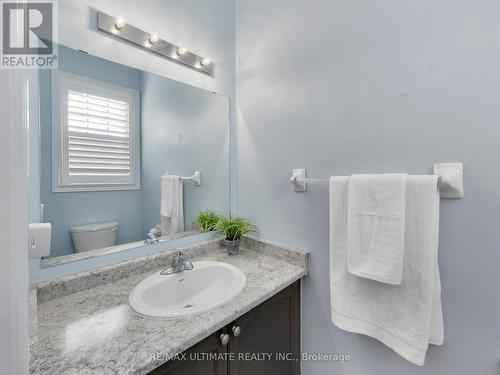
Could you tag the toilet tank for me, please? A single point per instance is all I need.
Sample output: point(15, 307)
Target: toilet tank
point(94, 236)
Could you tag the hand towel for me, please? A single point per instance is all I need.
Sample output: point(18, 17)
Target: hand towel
point(405, 317)
point(171, 206)
point(376, 226)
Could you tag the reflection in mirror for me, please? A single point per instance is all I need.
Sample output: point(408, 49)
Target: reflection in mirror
point(114, 143)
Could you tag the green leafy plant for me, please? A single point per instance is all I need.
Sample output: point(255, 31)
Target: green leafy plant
point(234, 228)
point(208, 220)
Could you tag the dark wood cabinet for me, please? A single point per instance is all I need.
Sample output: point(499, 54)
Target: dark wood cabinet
point(268, 343)
point(271, 329)
point(190, 364)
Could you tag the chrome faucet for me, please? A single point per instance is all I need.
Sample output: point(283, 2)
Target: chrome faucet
point(179, 263)
point(152, 239)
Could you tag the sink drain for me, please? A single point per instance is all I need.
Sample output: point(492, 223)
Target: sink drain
point(188, 306)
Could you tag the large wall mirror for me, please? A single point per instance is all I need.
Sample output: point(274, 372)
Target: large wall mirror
point(126, 157)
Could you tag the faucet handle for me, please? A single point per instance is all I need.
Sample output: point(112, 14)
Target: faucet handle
point(181, 253)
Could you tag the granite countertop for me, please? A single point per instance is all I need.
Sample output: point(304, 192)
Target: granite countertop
point(82, 324)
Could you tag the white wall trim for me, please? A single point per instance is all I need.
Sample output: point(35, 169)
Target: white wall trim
point(13, 223)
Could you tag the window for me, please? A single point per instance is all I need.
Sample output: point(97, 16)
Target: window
point(95, 135)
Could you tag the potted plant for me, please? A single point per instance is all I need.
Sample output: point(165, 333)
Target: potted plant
point(233, 229)
point(207, 220)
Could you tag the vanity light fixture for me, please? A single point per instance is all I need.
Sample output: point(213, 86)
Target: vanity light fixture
point(205, 61)
point(181, 51)
point(120, 22)
point(119, 28)
point(154, 37)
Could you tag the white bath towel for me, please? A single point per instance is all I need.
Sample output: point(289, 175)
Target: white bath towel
point(171, 206)
point(376, 226)
point(405, 317)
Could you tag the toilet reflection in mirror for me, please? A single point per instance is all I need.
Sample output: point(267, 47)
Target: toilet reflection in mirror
point(94, 236)
point(111, 147)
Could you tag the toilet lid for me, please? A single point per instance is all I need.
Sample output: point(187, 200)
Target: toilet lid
point(94, 227)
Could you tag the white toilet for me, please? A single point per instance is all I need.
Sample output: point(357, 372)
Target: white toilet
point(94, 236)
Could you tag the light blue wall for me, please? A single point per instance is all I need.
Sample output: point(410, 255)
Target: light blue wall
point(342, 87)
point(184, 129)
point(64, 210)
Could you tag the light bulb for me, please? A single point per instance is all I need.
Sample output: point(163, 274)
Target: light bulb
point(181, 51)
point(205, 61)
point(120, 22)
point(154, 37)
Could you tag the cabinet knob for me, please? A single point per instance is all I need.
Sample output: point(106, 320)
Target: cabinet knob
point(236, 330)
point(224, 339)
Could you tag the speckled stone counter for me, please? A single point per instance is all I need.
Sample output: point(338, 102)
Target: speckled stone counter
point(83, 325)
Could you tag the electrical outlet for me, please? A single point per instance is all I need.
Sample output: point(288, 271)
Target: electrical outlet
point(39, 235)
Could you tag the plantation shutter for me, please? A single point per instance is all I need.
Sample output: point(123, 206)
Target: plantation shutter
point(98, 135)
point(95, 135)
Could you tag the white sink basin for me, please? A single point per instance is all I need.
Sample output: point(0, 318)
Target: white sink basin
point(207, 286)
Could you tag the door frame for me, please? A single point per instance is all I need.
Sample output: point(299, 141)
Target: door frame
point(14, 349)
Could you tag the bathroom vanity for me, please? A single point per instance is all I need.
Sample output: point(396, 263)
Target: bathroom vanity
point(264, 341)
point(107, 139)
point(82, 323)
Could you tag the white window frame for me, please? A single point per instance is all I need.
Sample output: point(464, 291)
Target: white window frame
point(61, 180)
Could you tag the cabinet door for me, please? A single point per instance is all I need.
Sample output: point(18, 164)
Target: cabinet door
point(192, 366)
point(272, 327)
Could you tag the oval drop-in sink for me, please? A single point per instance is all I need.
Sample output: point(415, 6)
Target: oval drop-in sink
point(207, 286)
